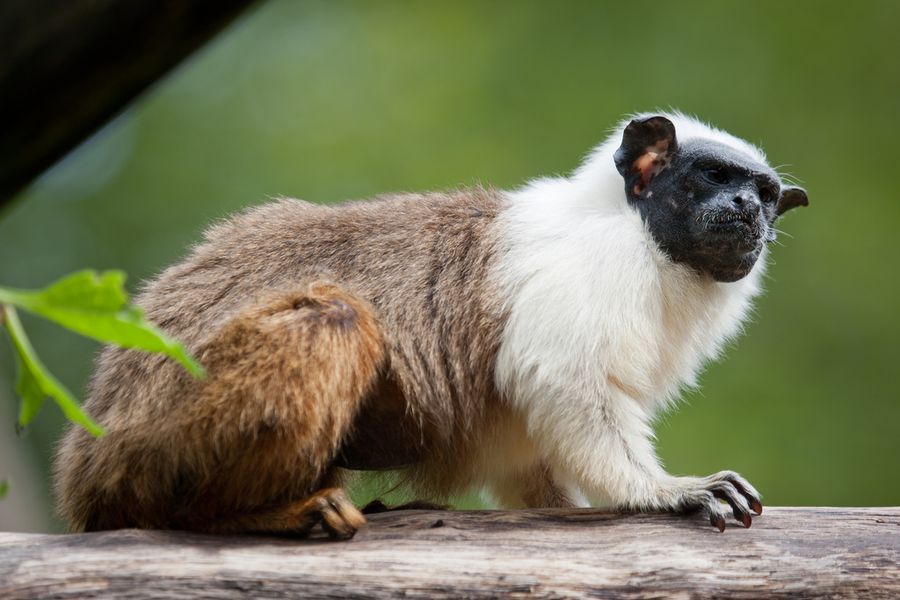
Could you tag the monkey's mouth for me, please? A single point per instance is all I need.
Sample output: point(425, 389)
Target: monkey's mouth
point(730, 218)
point(740, 228)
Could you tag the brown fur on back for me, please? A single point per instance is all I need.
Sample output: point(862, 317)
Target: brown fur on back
point(418, 262)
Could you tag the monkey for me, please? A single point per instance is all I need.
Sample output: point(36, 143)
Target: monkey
point(518, 342)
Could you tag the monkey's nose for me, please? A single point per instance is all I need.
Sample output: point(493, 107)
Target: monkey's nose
point(746, 204)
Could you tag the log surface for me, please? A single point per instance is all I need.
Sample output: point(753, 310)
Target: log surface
point(789, 552)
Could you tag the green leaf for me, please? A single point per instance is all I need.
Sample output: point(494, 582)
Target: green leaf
point(30, 394)
point(96, 305)
point(36, 383)
point(87, 291)
point(4, 487)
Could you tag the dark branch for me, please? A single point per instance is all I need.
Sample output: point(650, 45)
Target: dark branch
point(68, 66)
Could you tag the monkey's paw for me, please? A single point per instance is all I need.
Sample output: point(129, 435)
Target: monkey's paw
point(705, 493)
point(338, 515)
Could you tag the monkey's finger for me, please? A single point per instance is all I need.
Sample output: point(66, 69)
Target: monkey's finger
point(728, 492)
point(757, 506)
point(340, 518)
point(716, 517)
point(335, 526)
point(351, 520)
point(747, 490)
point(717, 521)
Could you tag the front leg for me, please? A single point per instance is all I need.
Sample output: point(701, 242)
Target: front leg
point(605, 443)
point(534, 487)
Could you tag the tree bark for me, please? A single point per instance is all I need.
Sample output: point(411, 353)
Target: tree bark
point(789, 552)
point(68, 66)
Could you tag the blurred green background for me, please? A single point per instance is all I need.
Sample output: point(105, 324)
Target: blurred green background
point(334, 100)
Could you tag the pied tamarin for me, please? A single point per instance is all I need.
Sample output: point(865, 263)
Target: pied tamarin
point(520, 342)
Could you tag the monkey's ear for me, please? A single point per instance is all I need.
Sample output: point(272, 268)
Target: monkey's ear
point(647, 148)
point(790, 197)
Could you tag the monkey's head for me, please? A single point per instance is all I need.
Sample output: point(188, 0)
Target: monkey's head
point(707, 203)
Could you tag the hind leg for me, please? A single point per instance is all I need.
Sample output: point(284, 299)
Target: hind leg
point(285, 381)
point(328, 507)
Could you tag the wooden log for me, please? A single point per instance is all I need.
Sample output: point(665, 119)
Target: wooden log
point(68, 66)
point(788, 553)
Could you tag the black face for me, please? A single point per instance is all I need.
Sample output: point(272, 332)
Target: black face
point(706, 204)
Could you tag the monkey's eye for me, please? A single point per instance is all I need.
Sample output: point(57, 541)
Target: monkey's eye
point(768, 195)
point(716, 175)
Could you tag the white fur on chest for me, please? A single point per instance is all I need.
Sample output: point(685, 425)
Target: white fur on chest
point(595, 307)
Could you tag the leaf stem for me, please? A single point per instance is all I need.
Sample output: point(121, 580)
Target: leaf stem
point(47, 382)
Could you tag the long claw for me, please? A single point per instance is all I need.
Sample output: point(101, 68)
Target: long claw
point(748, 491)
point(729, 492)
point(717, 521)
